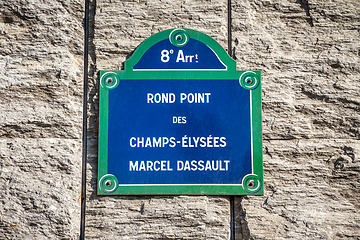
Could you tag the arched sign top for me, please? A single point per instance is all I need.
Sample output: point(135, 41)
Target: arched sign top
point(180, 50)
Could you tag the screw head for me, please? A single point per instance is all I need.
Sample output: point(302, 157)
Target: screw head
point(251, 184)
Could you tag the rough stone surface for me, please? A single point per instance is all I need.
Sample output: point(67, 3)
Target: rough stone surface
point(308, 52)
point(309, 55)
point(40, 118)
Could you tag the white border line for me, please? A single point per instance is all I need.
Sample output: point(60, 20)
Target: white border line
point(142, 70)
point(251, 125)
point(203, 184)
point(217, 57)
point(252, 163)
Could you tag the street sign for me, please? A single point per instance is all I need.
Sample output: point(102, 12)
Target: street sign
point(180, 119)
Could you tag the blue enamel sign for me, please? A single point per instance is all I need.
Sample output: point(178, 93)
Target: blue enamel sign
point(180, 119)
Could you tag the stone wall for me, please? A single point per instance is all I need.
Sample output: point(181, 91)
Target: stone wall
point(309, 55)
point(41, 62)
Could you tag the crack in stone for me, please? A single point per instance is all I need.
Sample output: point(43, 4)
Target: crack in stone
point(305, 6)
point(243, 231)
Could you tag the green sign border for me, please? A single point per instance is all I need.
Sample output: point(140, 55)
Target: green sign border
point(250, 80)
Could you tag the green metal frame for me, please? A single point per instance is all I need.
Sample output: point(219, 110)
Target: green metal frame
point(109, 80)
